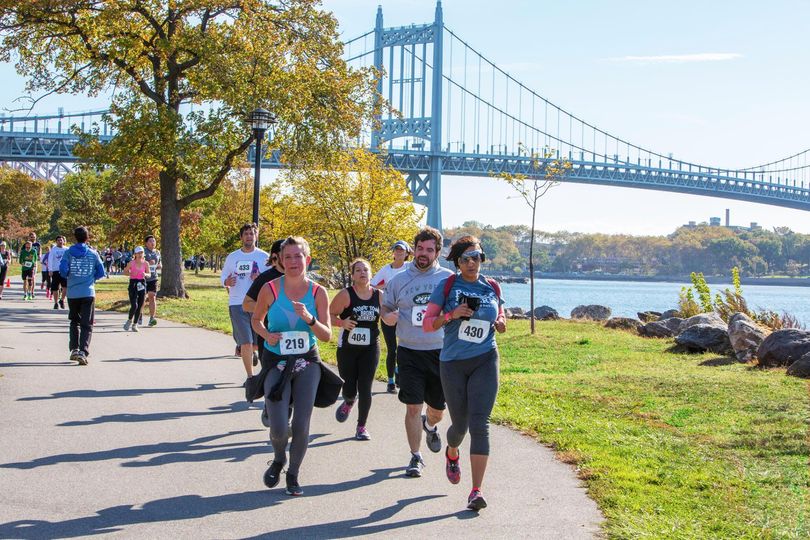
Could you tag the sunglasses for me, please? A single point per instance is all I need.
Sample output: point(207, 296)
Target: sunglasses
point(471, 256)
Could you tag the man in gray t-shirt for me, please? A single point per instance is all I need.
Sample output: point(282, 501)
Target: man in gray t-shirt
point(404, 304)
point(151, 256)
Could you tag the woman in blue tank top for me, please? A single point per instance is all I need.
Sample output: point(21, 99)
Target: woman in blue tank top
point(292, 314)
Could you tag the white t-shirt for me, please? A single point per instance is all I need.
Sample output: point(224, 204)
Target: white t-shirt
point(242, 265)
point(55, 257)
point(384, 274)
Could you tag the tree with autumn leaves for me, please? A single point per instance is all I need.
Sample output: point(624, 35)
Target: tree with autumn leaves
point(185, 75)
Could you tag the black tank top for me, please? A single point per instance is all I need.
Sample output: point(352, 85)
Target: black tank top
point(367, 315)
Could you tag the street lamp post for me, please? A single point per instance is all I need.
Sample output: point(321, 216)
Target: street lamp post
point(260, 120)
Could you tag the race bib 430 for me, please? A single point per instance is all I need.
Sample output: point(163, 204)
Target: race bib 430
point(474, 330)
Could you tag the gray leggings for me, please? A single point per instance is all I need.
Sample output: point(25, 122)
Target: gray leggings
point(470, 387)
point(302, 387)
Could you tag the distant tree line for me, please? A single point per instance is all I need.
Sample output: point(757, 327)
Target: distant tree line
point(709, 249)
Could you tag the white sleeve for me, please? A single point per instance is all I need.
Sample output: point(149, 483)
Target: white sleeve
point(227, 269)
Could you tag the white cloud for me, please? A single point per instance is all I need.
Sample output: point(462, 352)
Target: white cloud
point(679, 58)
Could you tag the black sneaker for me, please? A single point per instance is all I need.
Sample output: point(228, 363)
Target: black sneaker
point(432, 438)
point(292, 485)
point(476, 501)
point(74, 355)
point(343, 410)
point(273, 474)
point(415, 467)
point(250, 388)
point(62, 304)
point(56, 305)
point(255, 359)
point(392, 388)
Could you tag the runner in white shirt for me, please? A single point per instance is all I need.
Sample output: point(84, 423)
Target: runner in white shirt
point(57, 281)
point(240, 269)
point(400, 251)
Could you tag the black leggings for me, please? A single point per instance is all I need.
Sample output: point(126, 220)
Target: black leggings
point(390, 335)
point(357, 366)
point(136, 298)
point(470, 387)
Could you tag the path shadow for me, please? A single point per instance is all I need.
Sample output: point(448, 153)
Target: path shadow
point(37, 364)
point(116, 518)
point(351, 528)
point(195, 450)
point(156, 360)
point(236, 406)
point(126, 392)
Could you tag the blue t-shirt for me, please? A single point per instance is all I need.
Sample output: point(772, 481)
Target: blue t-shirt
point(467, 339)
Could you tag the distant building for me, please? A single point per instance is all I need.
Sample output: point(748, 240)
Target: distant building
point(714, 222)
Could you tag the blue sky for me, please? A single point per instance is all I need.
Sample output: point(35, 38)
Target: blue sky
point(722, 83)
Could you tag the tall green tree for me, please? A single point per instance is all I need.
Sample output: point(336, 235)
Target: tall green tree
point(186, 74)
point(24, 204)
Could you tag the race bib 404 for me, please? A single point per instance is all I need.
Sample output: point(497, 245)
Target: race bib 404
point(360, 336)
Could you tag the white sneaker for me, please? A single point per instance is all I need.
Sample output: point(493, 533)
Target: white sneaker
point(135, 328)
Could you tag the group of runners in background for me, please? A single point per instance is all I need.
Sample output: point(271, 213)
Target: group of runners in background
point(439, 327)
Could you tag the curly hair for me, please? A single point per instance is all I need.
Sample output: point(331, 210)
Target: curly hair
point(460, 246)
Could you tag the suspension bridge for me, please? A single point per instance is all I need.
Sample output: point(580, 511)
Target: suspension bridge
point(455, 112)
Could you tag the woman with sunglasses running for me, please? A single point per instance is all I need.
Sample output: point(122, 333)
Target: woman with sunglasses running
point(469, 307)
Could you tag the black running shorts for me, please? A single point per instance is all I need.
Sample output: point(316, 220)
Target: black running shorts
point(420, 380)
point(151, 286)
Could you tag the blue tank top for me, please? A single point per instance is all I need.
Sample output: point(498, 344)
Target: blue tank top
point(281, 317)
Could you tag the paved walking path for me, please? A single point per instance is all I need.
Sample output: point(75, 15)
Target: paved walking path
point(153, 440)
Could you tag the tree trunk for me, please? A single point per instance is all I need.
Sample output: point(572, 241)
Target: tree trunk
point(171, 282)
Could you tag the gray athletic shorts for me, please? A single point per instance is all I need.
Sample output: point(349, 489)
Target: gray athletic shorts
point(240, 324)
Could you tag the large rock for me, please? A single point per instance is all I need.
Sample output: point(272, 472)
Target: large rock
point(516, 310)
point(661, 329)
point(648, 316)
point(668, 314)
point(624, 323)
point(801, 367)
point(783, 347)
point(592, 312)
point(705, 337)
point(709, 319)
point(546, 313)
point(745, 336)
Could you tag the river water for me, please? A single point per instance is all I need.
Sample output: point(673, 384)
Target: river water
point(626, 298)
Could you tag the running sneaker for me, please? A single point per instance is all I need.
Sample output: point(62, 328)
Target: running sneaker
point(362, 434)
point(452, 468)
point(255, 358)
point(135, 327)
point(476, 501)
point(74, 355)
point(82, 358)
point(432, 437)
point(292, 485)
point(273, 474)
point(140, 320)
point(392, 388)
point(62, 304)
point(415, 467)
point(56, 305)
point(127, 325)
point(238, 351)
point(343, 410)
point(152, 321)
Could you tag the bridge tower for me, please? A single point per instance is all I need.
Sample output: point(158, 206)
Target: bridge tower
point(413, 86)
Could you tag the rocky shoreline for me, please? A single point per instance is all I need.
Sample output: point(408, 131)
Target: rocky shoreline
point(740, 338)
point(712, 280)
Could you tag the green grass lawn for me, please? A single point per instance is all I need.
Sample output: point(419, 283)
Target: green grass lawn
point(670, 445)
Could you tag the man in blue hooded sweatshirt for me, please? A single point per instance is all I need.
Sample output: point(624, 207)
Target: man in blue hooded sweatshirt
point(81, 266)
